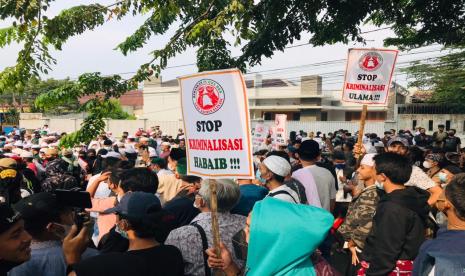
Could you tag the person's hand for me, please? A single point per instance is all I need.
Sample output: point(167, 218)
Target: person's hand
point(222, 263)
point(355, 259)
point(359, 150)
point(74, 244)
point(190, 188)
point(104, 177)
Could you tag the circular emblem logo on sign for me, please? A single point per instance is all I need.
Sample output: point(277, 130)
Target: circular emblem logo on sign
point(370, 61)
point(207, 96)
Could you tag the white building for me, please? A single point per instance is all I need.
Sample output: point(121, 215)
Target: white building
point(303, 100)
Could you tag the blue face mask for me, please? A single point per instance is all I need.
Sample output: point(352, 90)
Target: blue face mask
point(442, 177)
point(258, 176)
point(340, 166)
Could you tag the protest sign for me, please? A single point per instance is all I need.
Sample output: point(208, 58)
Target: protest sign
point(217, 125)
point(368, 75)
point(279, 130)
point(259, 136)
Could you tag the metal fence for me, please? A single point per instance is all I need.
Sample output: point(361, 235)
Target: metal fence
point(329, 126)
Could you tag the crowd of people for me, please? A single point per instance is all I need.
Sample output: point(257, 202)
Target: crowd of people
point(321, 205)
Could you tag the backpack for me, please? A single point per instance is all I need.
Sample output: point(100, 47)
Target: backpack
point(298, 188)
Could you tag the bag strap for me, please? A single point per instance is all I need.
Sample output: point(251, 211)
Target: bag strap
point(282, 192)
point(203, 236)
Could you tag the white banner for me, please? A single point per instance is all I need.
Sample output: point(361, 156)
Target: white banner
point(261, 131)
point(368, 75)
point(217, 125)
point(279, 131)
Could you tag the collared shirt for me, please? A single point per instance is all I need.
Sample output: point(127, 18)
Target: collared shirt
point(164, 172)
point(46, 259)
point(187, 239)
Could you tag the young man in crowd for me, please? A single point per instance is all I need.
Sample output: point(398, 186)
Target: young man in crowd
point(159, 166)
point(445, 254)
point(15, 242)
point(452, 143)
point(48, 221)
point(313, 176)
point(358, 222)
point(250, 193)
point(140, 221)
point(439, 136)
point(399, 223)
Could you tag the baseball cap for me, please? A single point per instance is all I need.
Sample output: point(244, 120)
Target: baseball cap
point(112, 154)
point(398, 139)
point(8, 163)
point(8, 217)
point(277, 165)
point(40, 205)
point(367, 159)
point(136, 205)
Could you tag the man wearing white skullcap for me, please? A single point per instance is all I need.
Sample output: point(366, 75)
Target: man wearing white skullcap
point(358, 222)
point(274, 170)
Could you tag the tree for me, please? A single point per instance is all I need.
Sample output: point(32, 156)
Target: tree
point(260, 28)
point(445, 76)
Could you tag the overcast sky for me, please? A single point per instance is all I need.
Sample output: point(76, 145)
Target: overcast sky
point(94, 51)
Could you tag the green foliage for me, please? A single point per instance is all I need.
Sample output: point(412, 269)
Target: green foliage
point(259, 27)
point(445, 76)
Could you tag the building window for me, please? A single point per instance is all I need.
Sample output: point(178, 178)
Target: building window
point(447, 124)
point(414, 124)
point(324, 116)
point(430, 125)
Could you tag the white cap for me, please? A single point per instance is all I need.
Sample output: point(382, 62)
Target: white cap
point(26, 154)
point(277, 165)
point(166, 144)
point(112, 154)
point(27, 146)
point(181, 137)
point(367, 160)
point(43, 150)
point(35, 147)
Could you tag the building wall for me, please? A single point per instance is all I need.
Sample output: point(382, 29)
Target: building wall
point(457, 121)
point(161, 103)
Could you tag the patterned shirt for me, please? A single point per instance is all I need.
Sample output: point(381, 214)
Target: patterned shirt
point(187, 239)
point(359, 219)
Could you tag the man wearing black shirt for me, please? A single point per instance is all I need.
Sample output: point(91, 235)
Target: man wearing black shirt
point(140, 218)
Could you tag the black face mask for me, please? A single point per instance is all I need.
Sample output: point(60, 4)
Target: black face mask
point(240, 245)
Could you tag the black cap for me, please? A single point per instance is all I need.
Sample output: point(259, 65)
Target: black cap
point(8, 217)
point(40, 205)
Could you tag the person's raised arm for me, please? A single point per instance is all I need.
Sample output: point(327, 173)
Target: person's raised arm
point(94, 185)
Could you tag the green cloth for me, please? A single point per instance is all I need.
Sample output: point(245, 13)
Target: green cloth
point(283, 236)
point(181, 167)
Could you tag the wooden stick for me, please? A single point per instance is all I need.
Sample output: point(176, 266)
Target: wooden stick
point(361, 132)
point(214, 214)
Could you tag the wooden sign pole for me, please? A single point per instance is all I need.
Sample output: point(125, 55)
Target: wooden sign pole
point(214, 216)
point(360, 133)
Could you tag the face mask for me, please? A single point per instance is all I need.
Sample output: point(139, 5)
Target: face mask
point(340, 166)
point(442, 177)
point(379, 185)
point(427, 165)
point(258, 176)
point(123, 233)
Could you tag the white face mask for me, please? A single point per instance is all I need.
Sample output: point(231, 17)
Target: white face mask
point(427, 165)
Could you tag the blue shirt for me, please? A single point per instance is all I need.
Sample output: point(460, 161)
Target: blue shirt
point(47, 259)
point(250, 194)
point(445, 253)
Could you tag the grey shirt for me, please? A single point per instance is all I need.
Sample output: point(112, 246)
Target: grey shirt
point(325, 185)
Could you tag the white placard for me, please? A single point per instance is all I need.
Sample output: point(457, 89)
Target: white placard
point(217, 125)
point(260, 134)
point(368, 75)
point(279, 131)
